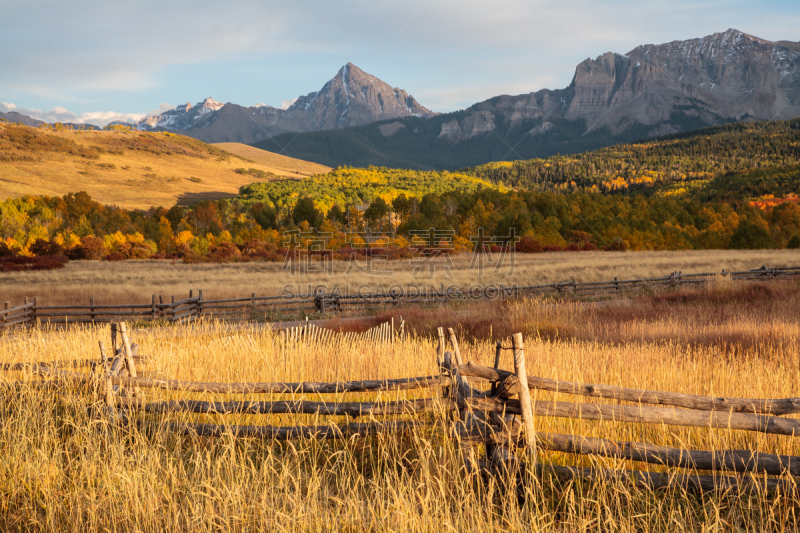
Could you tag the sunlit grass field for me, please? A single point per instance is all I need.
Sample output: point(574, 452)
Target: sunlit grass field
point(128, 176)
point(135, 281)
point(61, 469)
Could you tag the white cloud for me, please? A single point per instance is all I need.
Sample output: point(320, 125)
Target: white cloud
point(161, 108)
point(286, 104)
point(73, 53)
point(60, 114)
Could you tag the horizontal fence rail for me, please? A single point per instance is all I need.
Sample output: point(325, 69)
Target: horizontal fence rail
point(292, 307)
point(498, 423)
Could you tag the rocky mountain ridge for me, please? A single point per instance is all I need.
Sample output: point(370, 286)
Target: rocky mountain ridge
point(351, 98)
point(651, 91)
point(729, 75)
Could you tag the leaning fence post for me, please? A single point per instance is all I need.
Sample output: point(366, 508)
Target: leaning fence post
point(126, 345)
point(524, 397)
point(456, 349)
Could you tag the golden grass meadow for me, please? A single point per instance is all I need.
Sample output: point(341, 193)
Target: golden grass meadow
point(130, 169)
point(64, 469)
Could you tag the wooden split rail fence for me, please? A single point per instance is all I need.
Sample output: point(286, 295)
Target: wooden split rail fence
point(490, 411)
point(281, 308)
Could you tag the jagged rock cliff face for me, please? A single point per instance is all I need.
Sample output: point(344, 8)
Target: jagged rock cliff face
point(730, 75)
point(351, 98)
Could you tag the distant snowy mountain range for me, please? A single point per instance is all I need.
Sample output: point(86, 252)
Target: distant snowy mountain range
point(351, 98)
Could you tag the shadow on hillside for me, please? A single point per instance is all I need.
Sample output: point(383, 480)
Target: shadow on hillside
point(190, 198)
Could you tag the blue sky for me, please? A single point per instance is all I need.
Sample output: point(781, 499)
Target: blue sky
point(98, 60)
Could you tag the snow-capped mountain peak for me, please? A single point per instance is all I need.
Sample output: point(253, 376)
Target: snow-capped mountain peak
point(351, 98)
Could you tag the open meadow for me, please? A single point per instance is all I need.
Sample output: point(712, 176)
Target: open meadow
point(62, 467)
point(131, 169)
point(135, 281)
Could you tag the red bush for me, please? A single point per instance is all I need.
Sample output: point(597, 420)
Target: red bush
point(21, 263)
point(6, 251)
point(43, 247)
point(617, 246)
point(93, 248)
point(116, 256)
point(529, 245)
point(224, 251)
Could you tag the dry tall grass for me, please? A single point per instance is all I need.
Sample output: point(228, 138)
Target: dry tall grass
point(276, 163)
point(61, 470)
point(136, 281)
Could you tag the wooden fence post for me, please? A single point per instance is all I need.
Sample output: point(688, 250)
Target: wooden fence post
point(126, 345)
point(524, 398)
point(497, 352)
point(440, 353)
point(92, 316)
point(108, 386)
point(5, 315)
point(456, 349)
point(114, 344)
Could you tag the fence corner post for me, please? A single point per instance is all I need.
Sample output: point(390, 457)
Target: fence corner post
point(525, 398)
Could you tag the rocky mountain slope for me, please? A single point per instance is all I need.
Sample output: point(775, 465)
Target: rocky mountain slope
point(351, 98)
point(651, 91)
point(730, 75)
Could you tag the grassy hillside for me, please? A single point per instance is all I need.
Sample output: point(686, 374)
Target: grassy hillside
point(276, 163)
point(131, 169)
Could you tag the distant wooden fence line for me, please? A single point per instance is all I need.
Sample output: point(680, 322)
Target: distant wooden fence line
point(281, 308)
point(493, 428)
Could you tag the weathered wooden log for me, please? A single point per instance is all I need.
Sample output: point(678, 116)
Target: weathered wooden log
point(285, 433)
point(264, 388)
point(647, 415)
point(726, 460)
point(687, 482)
point(353, 409)
point(687, 401)
point(524, 397)
point(72, 363)
point(128, 353)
